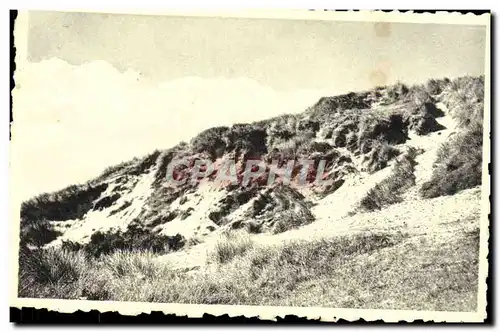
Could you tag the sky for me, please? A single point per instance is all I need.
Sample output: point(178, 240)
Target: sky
point(281, 54)
point(103, 88)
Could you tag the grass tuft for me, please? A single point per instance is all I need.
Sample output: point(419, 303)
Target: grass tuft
point(389, 190)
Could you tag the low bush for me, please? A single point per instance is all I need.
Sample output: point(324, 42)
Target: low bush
point(230, 246)
point(210, 141)
point(50, 272)
point(458, 165)
point(360, 270)
point(389, 128)
point(331, 105)
point(114, 170)
point(379, 155)
point(134, 238)
point(247, 139)
point(436, 87)
point(464, 98)
point(144, 164)
point(292, 218)
point(397, 92)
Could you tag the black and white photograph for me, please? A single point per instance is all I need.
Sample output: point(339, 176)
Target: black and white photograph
point(262, 163)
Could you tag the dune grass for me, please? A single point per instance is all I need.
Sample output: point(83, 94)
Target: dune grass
point(135, 237)
point(459, 161)
point(364, 270)
point(230, 246)
point(389, 191)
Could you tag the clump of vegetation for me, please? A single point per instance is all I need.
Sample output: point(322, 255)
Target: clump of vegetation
point(136, 237)
point(379, 155)
point(279, 209)
point(349, 101)
point(72, 202)
point(211, 141)
point(122, 207)
point(50, 272)
point(327, 272)
point(290, 219)
point(289, 148)
point(114, 170)
point(464, 98)
point(386, 127)
point(436, 87)
point(245, 138)
point(459, 161)
point(396, 92)
point(458, 165)
point(421, 118)
point(135, 166)
point(164, 160)
point(231, 202)
point(139, 263)
point(229, 246)
point(144, 164)
point(389, 190)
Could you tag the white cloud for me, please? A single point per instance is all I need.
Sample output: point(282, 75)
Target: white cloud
point(73, 121)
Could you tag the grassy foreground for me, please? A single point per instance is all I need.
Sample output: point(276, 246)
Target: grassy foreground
point(364, 270)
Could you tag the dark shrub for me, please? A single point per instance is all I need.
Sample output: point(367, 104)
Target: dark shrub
point(431, 109)
point(38, 233)
point(230, 246)
point(254, 227)
point(388, 128)
point(114, 170)
point(125, 205)
point(423, 123)
point(465, 100)
point(144, 164)
point(162, 162)
point(378, 154)
point(279, 209)
point(50, 266)
point(397, 91)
